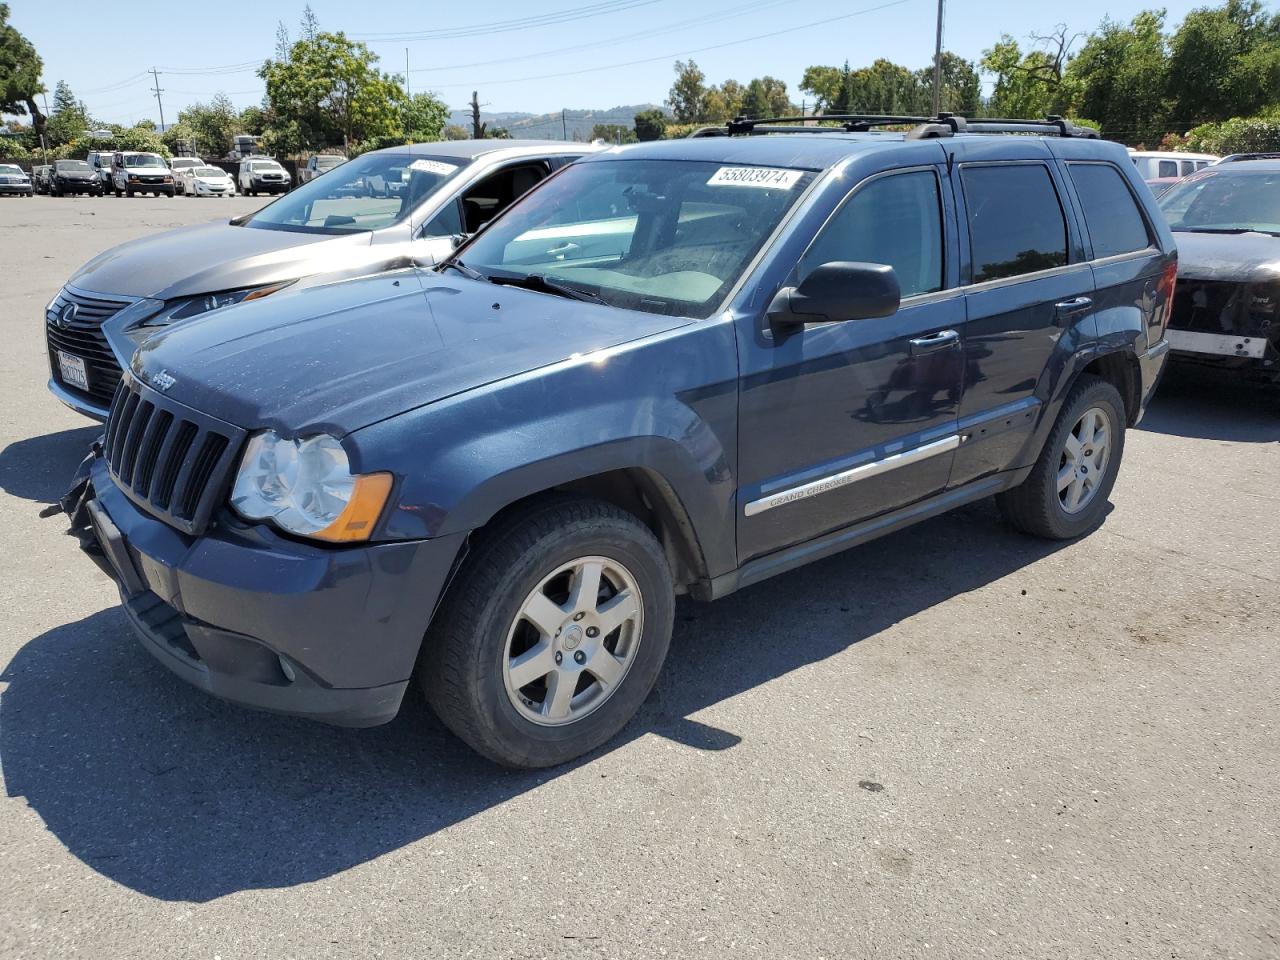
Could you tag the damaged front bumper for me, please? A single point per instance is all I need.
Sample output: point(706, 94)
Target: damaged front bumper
point(261, 620)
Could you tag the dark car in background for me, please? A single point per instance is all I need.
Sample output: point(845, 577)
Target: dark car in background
point(681, 367)
point(344, 224)
point(1226, 313)
point(73, 177)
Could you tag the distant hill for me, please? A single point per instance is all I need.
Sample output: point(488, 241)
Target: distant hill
point(573, 125)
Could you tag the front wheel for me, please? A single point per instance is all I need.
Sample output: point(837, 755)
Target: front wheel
point(1066, 493)
point(552, 635)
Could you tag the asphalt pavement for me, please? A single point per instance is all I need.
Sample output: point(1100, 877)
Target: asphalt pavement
point(954, 742)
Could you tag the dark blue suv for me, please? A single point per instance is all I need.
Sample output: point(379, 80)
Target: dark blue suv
point(679, 367)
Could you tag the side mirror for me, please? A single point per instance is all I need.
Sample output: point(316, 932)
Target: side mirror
point(459, 239)
point(839, 290)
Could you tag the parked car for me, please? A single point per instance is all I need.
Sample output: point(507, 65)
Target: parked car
point(181, 164)
point(680, 367)
point(1163, 164)
point(207, 182)
point(1226, 313)
point(73, 177)
point(331, 227)
point(133, 173)
point(318, 164)
point(15, 181)
point(262, 175)
point(40, 177)
point(100, 162)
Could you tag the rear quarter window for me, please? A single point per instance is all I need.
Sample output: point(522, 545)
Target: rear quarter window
point(1016, 224)
point(1111, 214)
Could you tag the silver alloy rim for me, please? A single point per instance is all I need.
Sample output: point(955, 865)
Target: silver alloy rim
point(573, 641)
point(1084, 460)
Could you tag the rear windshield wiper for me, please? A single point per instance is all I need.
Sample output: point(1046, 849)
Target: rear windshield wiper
point(536, 281)
point(463, 269)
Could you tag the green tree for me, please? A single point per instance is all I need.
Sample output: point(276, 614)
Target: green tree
point(687, 97)
point(68, 119)
point(826, 84)
point(613, 133)
point(1120, 76)
point(425, 116)
point(766, 97)
point(20, 72)
point(961, 87)
point(1223, 62)
point(211, 125)
point(252, 120)
point(456, 131)
point(650, 125)
point(722, 103)
point(1034, 83)
point(329, 91)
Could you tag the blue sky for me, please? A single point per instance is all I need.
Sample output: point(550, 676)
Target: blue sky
point(620, 55)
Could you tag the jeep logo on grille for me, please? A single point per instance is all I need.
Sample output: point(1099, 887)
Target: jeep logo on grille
point(163, 380)
point(67, 314)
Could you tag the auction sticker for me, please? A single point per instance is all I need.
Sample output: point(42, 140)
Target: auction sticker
point(433, 166)
point(767, 177)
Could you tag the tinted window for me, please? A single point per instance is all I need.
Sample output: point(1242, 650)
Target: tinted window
point(895, 220)
point(1168, 168)
point(1110, 213)
point(1186, 166)
point(1015, 220)
point(446, 223)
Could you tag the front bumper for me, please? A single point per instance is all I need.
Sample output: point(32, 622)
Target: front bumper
point(19, 188)
point(261, 620)
point(77, 186)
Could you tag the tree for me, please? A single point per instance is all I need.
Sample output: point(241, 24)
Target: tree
point(826, 84)
point(687, 97)
point(613, 133)
point(20, 72)
point(722, 103)
point(650, 125)
point(766, 97)
point(456, 131)
point(68, 119)
point(330, 91)
point(961, 87)
point(211, 125)
point(1223, 62)
point(1120, 76)
point(1034, 83)
point(425, 116)
point(252, 120)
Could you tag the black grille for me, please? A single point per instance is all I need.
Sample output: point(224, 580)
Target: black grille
point(173, 462)
point(82, 337)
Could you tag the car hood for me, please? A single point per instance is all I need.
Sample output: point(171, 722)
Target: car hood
point(74, 174)
point(339, 357)
point(218, 255)
point(1245, 257)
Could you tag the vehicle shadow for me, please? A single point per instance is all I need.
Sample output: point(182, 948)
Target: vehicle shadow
point(1209, 406)
point(39, 468)
point(180, 797)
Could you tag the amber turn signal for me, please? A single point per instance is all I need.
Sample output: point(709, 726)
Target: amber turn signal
point(357, 521)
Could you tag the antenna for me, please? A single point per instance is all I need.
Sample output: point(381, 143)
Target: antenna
point(157, 91)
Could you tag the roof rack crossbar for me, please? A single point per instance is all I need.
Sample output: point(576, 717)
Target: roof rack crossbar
point(944, 124)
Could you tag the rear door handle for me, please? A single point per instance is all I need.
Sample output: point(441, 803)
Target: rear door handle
point(934, 342)
point(1069, 308)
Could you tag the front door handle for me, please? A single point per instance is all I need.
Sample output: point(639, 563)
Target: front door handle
point(934, 342)
point(1066, 309)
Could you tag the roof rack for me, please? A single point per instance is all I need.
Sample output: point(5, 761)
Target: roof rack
point(943, 125)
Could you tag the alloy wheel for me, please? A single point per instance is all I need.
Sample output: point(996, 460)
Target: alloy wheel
point(1084, 460)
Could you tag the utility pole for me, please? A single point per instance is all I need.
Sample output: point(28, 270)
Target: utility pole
point(477, 128)
point(564, 125)
point(937, 65)
point(406, 71)
point(157, 91)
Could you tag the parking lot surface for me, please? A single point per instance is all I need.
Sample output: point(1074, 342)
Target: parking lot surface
point(954, 742)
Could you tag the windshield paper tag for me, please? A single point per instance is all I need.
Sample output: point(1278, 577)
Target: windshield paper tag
point(433, 166)
point(766, 177)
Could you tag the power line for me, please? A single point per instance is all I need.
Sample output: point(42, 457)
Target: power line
point(506, 26)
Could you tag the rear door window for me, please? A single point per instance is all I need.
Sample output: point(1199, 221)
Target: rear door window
point(1016, 224)
point(895, 220)
point(1111, 213)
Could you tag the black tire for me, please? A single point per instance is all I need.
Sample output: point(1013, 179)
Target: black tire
point(1035, 506)
point(461, 669)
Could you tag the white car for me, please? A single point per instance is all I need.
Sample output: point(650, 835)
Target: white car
point(206, 181)
point(1168, 164)
point(262, 175)
point(180, 165)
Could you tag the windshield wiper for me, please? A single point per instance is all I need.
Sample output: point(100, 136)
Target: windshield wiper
point(463, 269)
point(1225, 230)
point(541, 284)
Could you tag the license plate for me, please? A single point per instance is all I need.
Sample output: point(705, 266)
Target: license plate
point(73, 371)
point(1223, 345)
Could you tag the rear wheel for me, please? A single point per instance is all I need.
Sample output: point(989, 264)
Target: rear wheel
point(1066, 493)
point(552, 635)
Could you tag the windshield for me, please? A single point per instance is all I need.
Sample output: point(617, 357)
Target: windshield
point(77, 165)
point(367, 193)
point(327, 163)
point(9, 169)
point(142, 160)
point(660, 236)
point(213, 172)
point(1217, 201)
point(183, 162)
point(263, 165)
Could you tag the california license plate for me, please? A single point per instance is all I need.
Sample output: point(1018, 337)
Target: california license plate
point(73, 371)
